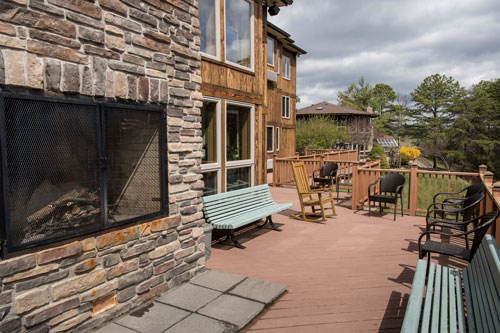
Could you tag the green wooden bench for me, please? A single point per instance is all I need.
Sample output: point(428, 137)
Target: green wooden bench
point(238, 208)
point(454, 300)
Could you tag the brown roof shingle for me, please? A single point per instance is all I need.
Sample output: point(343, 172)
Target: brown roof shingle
point(329, 108)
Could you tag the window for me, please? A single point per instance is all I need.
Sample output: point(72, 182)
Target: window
point(211, 142)
point(278, 57)
point(238, 178)
point(286, 67)
point(285, 107)
point(277, 139)
point(74, 167)
point(239, 32)
point(270, 139)
point(209, 22)
point(270, 51)
point(238, 125)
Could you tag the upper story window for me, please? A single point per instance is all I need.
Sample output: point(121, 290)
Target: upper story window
point(270, 139)
point(209, 22)
point(286, 67)
point(278, 57)
point(270, 51)
point(285, 107)
point(239, 33)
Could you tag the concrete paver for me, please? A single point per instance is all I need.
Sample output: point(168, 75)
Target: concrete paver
point(154, 318)
point(189, 297)
point(114, 328)
point(199, 323)
point(218, 280)
point(258, 290)
point(232, 309)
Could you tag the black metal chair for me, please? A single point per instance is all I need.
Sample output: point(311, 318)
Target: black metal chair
point(458, 198)
point(344, 179)
point(391, 186)
point(481, 225)
point(325, 176)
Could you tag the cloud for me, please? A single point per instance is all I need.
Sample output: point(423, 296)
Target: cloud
point(390, 41)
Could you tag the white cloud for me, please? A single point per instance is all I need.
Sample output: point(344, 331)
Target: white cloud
point(391, 41)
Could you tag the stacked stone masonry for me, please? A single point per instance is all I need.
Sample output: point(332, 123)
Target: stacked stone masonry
point(145, 51)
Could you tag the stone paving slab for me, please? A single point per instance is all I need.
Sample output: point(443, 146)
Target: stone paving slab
point(221, 281)
point(154, 318)
point(114, 328)
point(199, 323)
point(258, 290)
point(189, 297)
point(232, 309)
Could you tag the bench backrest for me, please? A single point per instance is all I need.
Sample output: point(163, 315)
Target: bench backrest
point(483, 278)
point(220, 206)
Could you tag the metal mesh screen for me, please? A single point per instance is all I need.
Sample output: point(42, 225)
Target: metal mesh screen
point(53, 169)
point(133, 163)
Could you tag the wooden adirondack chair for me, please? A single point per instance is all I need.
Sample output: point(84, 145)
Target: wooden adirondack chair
point(306, 196)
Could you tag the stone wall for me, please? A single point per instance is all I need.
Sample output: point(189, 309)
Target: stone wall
point(145, 51)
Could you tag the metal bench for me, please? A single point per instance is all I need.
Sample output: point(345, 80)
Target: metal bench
point(238, 208)
point(466, 299)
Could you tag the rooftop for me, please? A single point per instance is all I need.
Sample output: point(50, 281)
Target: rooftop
point(352, 273)
point(329, 108)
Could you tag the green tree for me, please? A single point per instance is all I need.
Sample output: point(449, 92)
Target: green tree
point(383, 97)
point(378, 150)
point(357, 97)
point(319, 131)
point(432, 114)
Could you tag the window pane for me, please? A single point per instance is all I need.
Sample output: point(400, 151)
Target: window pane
point(278, 60)
point(210, 179)
point(208, 26)
point(238, 178)
point(286, 67)
point(133, 164)
point(238, 34)
point(209, 132)
point(238, 133)
point(270, 51)
point(270, 138)
point(277, 138)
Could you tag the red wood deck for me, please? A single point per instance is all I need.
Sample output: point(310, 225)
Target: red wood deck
point(349, 274)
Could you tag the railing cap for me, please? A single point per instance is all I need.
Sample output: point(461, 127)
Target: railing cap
point(378, 158)
point(414, 165)
point(482, 166)
point(496, 186)
point(488, 174)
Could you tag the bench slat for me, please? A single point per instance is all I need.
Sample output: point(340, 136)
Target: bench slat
point(479, 281)
point(436, 301)
point(460, 302)
point(241, 220)
point(452, 301)
point(475, 299)
point(217, 197)
point(236, 207)
point(493, 257)
point(491, 302)
point(237, 213)
point(262, 195)
point(444, 301)
point(426, 315)
point(410, 322)
point(468, 301)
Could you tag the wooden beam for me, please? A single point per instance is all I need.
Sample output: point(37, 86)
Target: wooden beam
point(230, 93)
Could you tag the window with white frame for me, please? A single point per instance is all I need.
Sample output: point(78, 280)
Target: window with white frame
point(239, 32)
point(285, 107)
point(278, 58)
point(211, 143)
point(277, 139)
point(270, 139)
point(286, 67)
point(239, 145)
point(270, 51)
point(209, 23)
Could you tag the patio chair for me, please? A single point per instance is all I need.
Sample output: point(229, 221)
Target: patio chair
point(458, 198)
point(437, 215)
point(481, 224)
point(325, 176)
point(391, 186)
point(307, 196)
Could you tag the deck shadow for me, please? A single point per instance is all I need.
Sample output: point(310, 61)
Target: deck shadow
point(394, 312)
point(243, 234)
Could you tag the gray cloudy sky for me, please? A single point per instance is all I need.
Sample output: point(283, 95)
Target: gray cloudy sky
point(398, 42)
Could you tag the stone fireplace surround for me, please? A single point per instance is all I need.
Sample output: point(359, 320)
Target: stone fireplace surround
point(143, 51)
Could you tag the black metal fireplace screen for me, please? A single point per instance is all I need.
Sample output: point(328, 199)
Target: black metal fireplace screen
point(72, 167)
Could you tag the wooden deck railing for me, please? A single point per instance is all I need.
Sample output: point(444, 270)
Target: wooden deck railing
point(282, 167)
point(492, 199)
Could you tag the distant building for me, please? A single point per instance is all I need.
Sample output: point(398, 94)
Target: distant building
point(358, 123)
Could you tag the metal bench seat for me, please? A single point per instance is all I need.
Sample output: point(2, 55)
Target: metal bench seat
point(235, 209)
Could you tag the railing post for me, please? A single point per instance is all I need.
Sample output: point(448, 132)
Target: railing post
point(413, 192)
point(297, 156)
point(355, 184)
point(275, 167)
point(306, 151)
point(488, 179)
point(482, 169)
point(321, 160)
point(495, 229)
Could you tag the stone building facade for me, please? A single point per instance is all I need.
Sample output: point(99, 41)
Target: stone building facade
point(145, 52)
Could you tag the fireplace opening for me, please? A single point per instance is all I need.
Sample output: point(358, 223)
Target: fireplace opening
point(72, 167)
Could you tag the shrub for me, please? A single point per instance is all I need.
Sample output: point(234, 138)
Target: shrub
point(320, 132)
point(378, 150)
point(408, 154)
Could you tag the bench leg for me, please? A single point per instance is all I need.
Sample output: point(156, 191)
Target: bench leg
point(271, 223)
point(233, 238)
